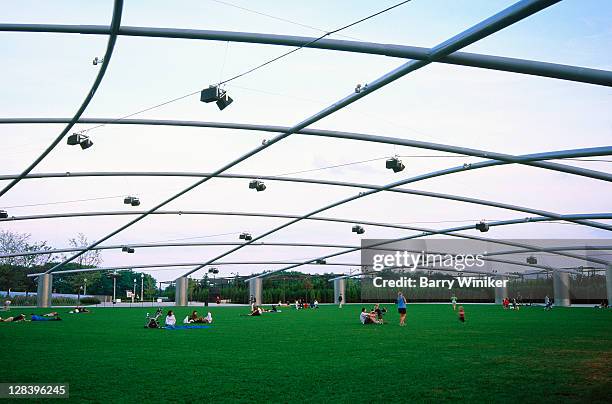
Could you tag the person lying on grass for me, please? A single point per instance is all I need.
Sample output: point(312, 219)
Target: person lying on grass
point(46, 317)
point(14, 319)
point(52, 314)
point(368, 318)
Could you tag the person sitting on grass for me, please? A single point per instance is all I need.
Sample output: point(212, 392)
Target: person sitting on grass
point(203, 320)
point(194, 318)
point(7, 304)
point(315, 304)
point(208, 319)
point(170, 319)
point(14, 319)
point(256, 311)
point(461, 314)
point(368, 318)
point(379, 312)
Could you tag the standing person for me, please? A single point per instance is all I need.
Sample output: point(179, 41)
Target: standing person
point(401, 308)
point(549, 303)
point(454, 301)
point(340, 301)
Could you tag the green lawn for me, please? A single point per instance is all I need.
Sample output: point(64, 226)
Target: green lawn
point(321, 356)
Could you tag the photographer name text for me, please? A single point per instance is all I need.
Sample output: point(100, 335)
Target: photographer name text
point(425, 282)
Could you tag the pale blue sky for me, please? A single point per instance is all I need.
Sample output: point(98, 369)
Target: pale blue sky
point(46, 75)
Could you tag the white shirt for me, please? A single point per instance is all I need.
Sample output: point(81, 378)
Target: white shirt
point(170, 320)
point(363, 316)
point(209, 317)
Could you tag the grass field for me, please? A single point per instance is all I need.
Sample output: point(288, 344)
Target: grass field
point(322, 355)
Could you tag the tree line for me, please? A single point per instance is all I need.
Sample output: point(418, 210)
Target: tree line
point(14, 269)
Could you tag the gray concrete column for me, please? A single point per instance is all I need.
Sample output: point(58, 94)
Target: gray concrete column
point(181, 290)
point(500, 292)
point(43, 293)
point(561, 288)
point(339, 289)
point(609, 283)
point(256, 289)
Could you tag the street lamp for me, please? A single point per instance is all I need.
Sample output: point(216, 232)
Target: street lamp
point(142, 288)
point(85, 286)
point(134, 291)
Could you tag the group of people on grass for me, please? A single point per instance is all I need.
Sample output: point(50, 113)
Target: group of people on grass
point(300, 304)
point(258, 310)
point(375, 316)
point(170, 320)
point(52, 316)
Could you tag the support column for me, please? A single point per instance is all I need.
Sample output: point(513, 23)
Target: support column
point(181, 290)
point(43, 293)
point(256, 289)
point(609, 283)
point(500, 292)
point(339, 289)
point(561, 288)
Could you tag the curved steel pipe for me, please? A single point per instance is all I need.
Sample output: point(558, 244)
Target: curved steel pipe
point(214, 244)
point(499, 21)
point(499, 63)
point(162, 245)
point(113, 31)
point(352, 221)
point(450, 231)
point(288, 179)
point(555, 249)
point(168, 266)
point(497, 158)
